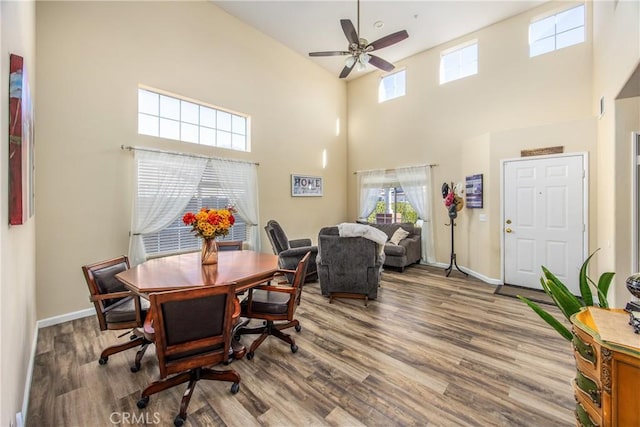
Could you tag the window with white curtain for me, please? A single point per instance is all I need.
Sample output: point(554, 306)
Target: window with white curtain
point(177, 237)
point(399, 195)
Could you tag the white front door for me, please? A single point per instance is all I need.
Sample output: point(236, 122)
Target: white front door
point(544, 219)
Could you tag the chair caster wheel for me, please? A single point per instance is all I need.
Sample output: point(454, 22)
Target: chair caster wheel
point(103, 360)
point(178, 421)
point(250, 355)
point(142, 403)
point(298, 328)
point(134, 369)
point(235, 387)
point(294, 348)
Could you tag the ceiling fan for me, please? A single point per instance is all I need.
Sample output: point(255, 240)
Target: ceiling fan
point(360, 49)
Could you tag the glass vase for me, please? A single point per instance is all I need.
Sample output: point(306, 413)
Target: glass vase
point(209, 252)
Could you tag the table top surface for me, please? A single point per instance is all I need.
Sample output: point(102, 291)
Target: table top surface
point(245, 268)
point(610, 326)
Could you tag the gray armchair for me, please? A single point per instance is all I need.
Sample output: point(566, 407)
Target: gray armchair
point(290, 252)
point(348, 267)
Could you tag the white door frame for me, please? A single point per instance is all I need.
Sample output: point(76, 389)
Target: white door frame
point(635, 198)
point(585, 198)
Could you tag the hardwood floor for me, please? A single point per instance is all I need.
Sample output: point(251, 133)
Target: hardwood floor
point(430, 351)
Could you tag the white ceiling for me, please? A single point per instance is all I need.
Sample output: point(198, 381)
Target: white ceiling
point(312, 25)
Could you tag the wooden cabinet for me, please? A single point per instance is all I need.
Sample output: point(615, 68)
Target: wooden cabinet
point(607, 382)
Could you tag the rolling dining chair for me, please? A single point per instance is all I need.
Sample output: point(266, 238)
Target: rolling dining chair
point(192, 330)
point(116, 307)
point(274, 303)
point(230, 245)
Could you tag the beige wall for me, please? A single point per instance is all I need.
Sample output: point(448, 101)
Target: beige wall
point(616, 54)
point(17, 243)
point(453, 124)
point(91, 58)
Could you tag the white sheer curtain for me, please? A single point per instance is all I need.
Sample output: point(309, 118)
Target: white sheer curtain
point(164, 197)
point(370, 183)
point(239, 180)
point(416, 183)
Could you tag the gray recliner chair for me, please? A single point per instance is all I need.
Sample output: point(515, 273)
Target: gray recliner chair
point(290, 252)
point(348, 267)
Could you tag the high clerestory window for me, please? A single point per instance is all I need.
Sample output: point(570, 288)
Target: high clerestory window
point(172, 117)
point(563, 29)
point(459, 61)
point(392, 86)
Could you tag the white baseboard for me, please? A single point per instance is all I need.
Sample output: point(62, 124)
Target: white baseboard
point(475, 274)
point(27, 382)
point(21, 416)
point(66, 317)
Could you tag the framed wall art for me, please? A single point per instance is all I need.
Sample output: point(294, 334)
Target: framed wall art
point(473, 187)
point(306, 186)
point(20, 141)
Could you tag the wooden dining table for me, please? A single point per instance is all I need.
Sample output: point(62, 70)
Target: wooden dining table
point(244, 268)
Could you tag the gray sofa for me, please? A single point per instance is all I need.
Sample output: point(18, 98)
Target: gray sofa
point(408, 251)
point(348, 266)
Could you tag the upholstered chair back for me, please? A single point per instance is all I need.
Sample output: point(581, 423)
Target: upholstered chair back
point(348, 264)
point(192, 328)
point(277, 237)
point(106, 283)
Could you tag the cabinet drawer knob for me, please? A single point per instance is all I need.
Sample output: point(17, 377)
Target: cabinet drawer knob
point(584, 350)
point(589, 387)
point(583, 418)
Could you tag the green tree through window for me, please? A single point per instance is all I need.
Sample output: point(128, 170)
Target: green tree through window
point(393, 207)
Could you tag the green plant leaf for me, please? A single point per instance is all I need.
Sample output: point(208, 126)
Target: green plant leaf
point(603, 288)
point(557, 282)
point(585, 289)
point(552, 321)
point(565, 301)
point(568, 303)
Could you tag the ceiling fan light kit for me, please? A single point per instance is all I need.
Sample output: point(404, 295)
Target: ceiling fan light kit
point(359, 49)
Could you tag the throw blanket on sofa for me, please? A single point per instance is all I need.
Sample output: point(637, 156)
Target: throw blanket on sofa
point(348, 229)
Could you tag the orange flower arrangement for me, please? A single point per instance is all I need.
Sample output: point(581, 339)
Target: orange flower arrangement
point(210, 223)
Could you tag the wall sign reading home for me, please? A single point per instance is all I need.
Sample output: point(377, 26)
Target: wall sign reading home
point(303, 185)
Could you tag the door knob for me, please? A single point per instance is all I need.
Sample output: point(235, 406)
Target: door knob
point(508, 221)
point(508, 230)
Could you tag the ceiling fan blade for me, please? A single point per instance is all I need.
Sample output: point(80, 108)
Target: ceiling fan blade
point(329, 53)
point(349, 31)
point(389, 40)
point(376, 61)
point(346, 70)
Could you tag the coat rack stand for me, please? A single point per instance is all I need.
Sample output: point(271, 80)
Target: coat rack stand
point(453, 262)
